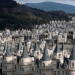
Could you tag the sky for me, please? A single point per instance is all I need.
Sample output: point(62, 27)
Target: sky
point(71, 2)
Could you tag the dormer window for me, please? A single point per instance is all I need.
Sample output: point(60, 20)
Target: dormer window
point(59, 54)
point(37, 53)
point(44, 64)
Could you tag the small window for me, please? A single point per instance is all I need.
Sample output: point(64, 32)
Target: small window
point(32, 68)
point(65, 73)
point(59, 54)
point(54, 72)
point(72, 64)
point(43, 73)
point(62, 72)
point(6, 67)
point(43, 64)
point(15, 67)
point(37, 53)
point(58, 72)
point(22, 69)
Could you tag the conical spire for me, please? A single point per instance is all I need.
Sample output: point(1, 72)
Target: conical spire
point(43, 39)
point(52, 43)
point(36, 47)
point(72, 57)
point(5, 47)
point(63, 48)
point(20, 46)
point(0, 47)
point(31, 47)
point(25, 53)
point(8, 53)
point(45, 55)
point(46, 46)
point(57, 50)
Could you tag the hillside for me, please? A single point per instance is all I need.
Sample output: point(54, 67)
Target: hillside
point(49, 6)
point(16, 16)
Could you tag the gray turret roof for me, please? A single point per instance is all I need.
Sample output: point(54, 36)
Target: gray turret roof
point(28, 40)
point(63, 48)
point(8, 53)
point(31, 47)
point(25, 53)
point(5, 47)
point(20, 46)
point(43, 39)
point(0, 47)
point(53, 43)
point(45, 55)
point(36, 47)
point(46, 46)
point(72, 57)
point(57, 50)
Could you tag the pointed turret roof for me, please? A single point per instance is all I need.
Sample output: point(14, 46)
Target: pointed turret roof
point(63, 48)
point(45, 55)
point(0, 47)
point(25, 53)
point(46, 46)
point(57, 50)
point(43, 39)
point(36, 47)
point(8, 53)
point(20, 46)
point(28, 40)
point(5, 47)
point(72, 57)
point(31, 47)
point(53, 43)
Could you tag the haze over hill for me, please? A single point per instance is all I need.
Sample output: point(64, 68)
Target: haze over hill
point(49, 6)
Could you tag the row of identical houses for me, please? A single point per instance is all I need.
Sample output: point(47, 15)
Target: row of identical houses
point(24, 52)
point(37, 58)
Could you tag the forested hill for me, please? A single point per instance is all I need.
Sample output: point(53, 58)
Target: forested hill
point(15, 16)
